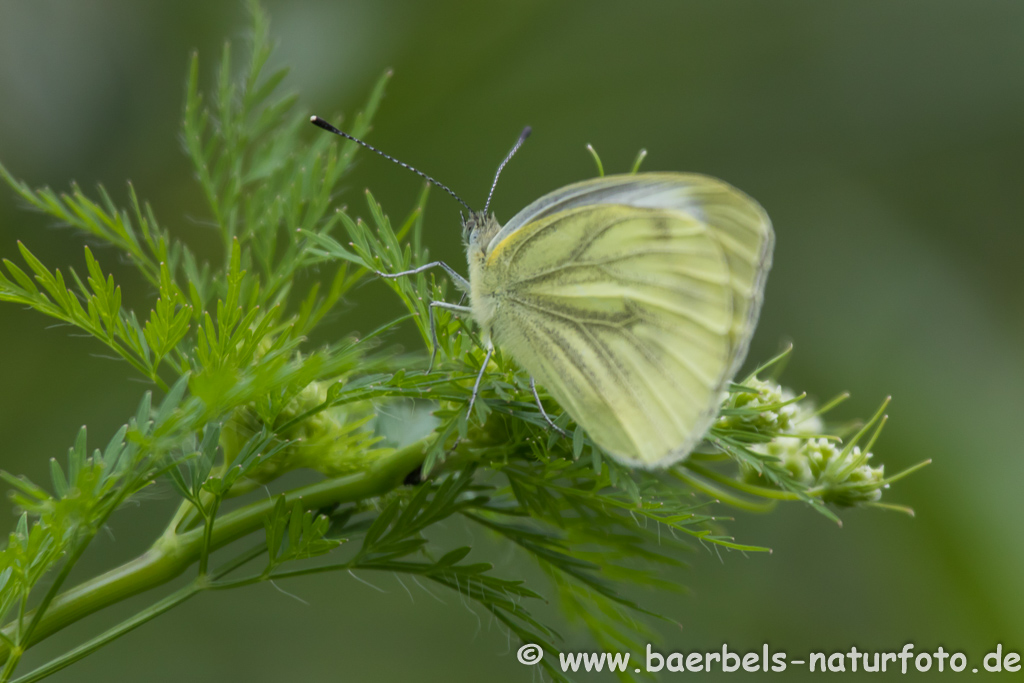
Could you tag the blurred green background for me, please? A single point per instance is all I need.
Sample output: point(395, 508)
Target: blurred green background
point(884, 138)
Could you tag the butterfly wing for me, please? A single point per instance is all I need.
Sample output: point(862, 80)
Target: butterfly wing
point(736, 221)
point(631, 299)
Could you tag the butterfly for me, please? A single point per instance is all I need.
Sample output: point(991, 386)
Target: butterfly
point(631, 299)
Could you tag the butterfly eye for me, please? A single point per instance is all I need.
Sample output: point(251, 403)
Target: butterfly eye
point(470, 225)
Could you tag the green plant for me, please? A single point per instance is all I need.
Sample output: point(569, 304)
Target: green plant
point(245, 399)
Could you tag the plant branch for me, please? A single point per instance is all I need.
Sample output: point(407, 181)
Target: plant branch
point(169, 557)
point(179, 596)
point(90, 646)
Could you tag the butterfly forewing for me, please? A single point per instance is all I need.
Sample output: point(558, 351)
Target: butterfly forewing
point(737, 222)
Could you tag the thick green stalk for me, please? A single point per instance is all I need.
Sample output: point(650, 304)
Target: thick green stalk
point(170, 556)
point(86, 649)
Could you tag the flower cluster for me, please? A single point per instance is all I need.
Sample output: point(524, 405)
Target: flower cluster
point(795, 440)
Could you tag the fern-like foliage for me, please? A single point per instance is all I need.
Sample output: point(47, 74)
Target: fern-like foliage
point(246, 399)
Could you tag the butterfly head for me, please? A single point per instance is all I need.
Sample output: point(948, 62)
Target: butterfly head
point(479, 228)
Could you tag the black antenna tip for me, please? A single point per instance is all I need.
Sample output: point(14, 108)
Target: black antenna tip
point(526, 132)
point(320, 123)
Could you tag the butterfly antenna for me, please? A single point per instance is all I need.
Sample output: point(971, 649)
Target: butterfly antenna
point(515, 148)
point(319, 122)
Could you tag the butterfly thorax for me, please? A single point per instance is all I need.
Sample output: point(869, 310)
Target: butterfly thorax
point(477, 231)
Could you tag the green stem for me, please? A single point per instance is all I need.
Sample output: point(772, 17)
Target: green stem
point(290, 574)
point(752, 489)
point(88, 647)
point(722, 495)
point(10, 664)
point(169, 557)
point(207, 548)
point(171, 601)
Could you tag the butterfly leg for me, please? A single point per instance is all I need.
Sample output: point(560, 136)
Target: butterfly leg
point(476, 386)
point(547, 418)
point(457, 310)
point(460, 282)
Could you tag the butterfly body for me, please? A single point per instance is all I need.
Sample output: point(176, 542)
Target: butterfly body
point(484, 295)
